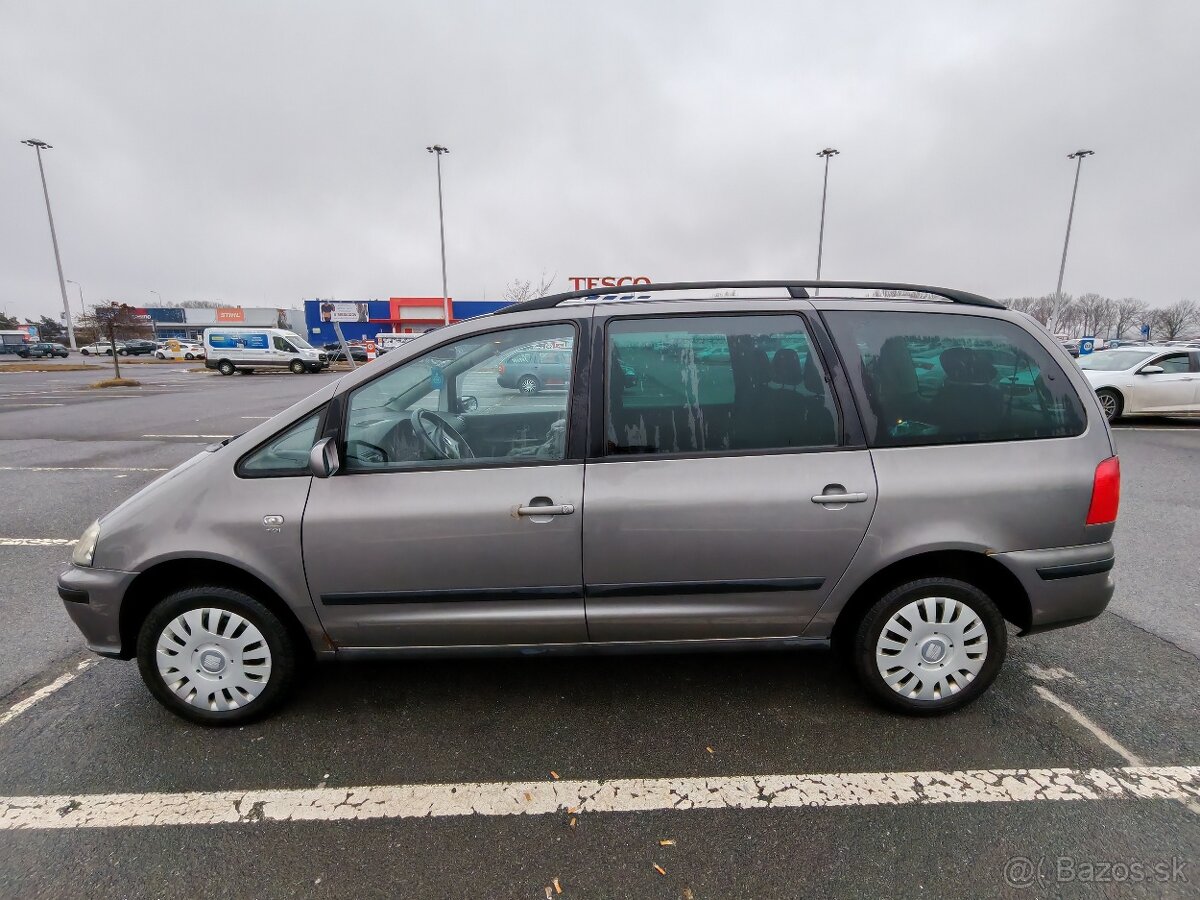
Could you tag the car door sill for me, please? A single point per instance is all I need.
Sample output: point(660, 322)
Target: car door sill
point(728, 645)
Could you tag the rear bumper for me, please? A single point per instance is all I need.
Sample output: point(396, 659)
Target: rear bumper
point(92, 598)
point(1066, 585)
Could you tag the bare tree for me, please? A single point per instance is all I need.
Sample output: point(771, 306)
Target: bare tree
point(1175, 320)
point(1095, 314)
point(519, 290)
point(114, 321)
point(1129, 312)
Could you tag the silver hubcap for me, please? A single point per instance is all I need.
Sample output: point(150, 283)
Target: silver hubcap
point(528, 385)
point(213, 659)
point(1109, 404)
point(931, 649)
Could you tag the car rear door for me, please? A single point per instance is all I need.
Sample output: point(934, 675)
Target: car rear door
point(724, 495)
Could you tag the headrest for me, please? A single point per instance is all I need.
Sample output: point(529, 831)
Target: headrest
point(785, 367)
point(759, 365)
point(967, 366)
point(813, 380)
point(896, 369)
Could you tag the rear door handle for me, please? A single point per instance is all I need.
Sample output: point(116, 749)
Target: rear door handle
point(839, 498)
point(561, 509)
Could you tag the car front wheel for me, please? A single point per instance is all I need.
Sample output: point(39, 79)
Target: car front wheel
point(216, 656)
point(1111, 403)
point(930, 646)
point(296, 366)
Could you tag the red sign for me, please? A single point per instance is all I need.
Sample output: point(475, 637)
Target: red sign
point(579, 282)
point(230, 314)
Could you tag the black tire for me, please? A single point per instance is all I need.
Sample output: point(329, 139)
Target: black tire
point(189, 356)
point(160, 355)
point(122, 352)
point(867, 637)
point(1111, 402)
point(279, 641)
point(225, 367)
point(528, 384)
point(296, 366)
point(108, 353)
point(84, 352)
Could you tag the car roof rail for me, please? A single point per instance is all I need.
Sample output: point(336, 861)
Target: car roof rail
point(797, 290)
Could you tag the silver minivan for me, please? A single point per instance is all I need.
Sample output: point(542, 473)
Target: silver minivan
point(731, 466)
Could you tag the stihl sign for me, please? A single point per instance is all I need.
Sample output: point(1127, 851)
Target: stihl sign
point(581, 282)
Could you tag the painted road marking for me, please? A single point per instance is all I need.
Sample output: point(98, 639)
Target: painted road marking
point(1097, 732)
point(42, 693)
point(65, 811)
point(37, 542)
point(80, 469)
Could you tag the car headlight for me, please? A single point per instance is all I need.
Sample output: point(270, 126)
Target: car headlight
point(85, 547)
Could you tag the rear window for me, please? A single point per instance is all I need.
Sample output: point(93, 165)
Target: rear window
point(930, 378)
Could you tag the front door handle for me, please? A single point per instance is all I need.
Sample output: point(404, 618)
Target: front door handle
point(560, 509)
point(824, 499)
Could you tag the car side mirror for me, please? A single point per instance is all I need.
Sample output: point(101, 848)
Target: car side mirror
point(1151, 370)
point(323, 458)
point(468, 404)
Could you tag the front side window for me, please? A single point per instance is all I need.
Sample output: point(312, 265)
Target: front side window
point(284, 454)
point(1114, 360)
point(930, 378)
point(715, 384)
point(467, 402)
point(1175, 364)
point(281, 344)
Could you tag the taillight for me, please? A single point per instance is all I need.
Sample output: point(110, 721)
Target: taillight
point(1106, 492)
point(500, 371)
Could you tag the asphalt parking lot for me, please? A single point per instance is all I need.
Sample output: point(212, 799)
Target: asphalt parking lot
point(723, 776)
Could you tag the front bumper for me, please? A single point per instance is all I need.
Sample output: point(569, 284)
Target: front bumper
point(1065, 585)
point(93, 599)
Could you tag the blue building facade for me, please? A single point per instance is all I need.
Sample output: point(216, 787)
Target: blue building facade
point(399, 314)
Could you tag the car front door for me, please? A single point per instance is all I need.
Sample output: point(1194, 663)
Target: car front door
point(1173, 390)
point(722, 499)
point(431, 534)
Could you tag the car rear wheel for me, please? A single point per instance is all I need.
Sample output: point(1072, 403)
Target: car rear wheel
point(225, 367)
point(930, 646)
point(528, 385)
point(216, 656)
point(1111, 403)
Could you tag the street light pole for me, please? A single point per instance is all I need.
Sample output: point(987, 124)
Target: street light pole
point(39, 146)
point(437, 150)
point(828, 153)
point(1078, 156)
point(153, 323)
point(82, 311)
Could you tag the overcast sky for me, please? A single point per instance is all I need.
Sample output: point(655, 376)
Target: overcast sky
point(263, 152)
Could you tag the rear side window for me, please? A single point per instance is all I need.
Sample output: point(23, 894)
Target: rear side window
point(715, 384)
point(929, 378)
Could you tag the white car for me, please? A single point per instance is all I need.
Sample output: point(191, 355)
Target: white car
point(102, 348)
point(179, 350)
point(1145, 380)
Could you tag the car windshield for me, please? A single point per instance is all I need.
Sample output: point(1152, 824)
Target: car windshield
point(1115, 360)
point(297, 341)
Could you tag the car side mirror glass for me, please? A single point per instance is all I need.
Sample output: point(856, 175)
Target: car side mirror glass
point(1150, 370)
point(468, 404)
point(323, 459)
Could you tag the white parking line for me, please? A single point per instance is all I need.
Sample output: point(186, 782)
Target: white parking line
point(1097, 732)
point(65, 811)
point(42, 693)
point(37, 542)
point(80, 469)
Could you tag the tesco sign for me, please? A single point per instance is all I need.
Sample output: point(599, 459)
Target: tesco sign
point(580, 282)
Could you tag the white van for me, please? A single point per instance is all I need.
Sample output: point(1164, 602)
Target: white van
point(230, 350)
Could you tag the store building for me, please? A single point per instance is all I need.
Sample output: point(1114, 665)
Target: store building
point(189, 324)
point(402, 315)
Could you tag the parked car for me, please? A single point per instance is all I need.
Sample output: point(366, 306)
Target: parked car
point(530, 371)
point(45, 348)
point(1145, 381)
point(1072, 346)
point(173, 349)
point(139, 347)
point(357, 352)
point(102, 348)
point(775, 479)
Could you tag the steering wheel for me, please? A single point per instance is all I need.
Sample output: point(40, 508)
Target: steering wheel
point(439, 437)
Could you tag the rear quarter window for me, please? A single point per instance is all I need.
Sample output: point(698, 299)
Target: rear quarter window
point(930, 378)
